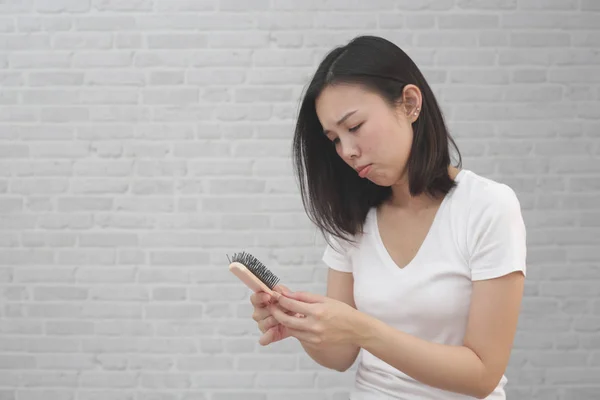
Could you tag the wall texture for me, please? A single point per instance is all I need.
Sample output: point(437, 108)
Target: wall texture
point(143, 140)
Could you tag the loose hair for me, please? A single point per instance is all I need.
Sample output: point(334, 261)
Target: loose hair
point(335, 198)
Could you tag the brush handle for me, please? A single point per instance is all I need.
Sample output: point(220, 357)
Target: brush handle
point(249, 278)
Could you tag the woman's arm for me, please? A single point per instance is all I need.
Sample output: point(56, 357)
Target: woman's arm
point(340, 286)
point(476, 367)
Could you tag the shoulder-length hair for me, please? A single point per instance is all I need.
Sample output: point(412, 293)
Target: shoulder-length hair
point(335, 198)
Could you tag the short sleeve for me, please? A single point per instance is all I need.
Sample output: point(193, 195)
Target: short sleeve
point(338, 256)
point(496, 234)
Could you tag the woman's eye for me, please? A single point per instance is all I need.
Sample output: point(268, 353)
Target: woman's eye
point(354, 129)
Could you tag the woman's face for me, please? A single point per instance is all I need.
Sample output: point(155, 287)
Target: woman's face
point(372, 134)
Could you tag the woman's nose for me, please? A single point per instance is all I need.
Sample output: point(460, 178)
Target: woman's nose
point(348, 148)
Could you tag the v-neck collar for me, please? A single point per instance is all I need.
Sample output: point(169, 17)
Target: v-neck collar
point(384, 253)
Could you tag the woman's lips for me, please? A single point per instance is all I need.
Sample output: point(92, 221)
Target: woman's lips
point(363, 171)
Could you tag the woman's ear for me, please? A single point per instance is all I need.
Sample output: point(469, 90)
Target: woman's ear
point(412, 101)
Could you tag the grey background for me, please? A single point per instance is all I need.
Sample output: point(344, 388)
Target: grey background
point(143, 140)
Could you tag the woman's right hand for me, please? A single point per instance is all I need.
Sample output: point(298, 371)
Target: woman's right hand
point(272, 330)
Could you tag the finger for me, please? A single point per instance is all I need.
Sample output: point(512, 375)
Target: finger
point(266, 338)
point(303, 336)
point(269, 336)
point(282, 289)
point(306, 297)
point(260, 313)
point(267, 324)
point(295, 305)
point(288, 320)
point(260, 299)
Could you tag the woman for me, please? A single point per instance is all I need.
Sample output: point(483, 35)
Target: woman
point(426, 260)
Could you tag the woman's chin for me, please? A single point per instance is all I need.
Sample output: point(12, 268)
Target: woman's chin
point(384, 180)
point(380, 180)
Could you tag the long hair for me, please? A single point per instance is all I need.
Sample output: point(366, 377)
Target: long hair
point(334, 197)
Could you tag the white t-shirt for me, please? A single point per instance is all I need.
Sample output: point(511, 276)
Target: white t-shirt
point(477, 233)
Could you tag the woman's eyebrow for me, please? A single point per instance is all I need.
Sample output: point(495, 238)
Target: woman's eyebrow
point(345, 117)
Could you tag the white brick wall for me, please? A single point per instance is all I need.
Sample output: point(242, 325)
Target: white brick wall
point(143, 140)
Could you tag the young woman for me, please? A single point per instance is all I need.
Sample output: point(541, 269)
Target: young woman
point(426, 260)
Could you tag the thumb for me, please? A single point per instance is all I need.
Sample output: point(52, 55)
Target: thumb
point(306, 297)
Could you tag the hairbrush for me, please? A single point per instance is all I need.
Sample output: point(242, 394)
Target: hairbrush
point(252, 272)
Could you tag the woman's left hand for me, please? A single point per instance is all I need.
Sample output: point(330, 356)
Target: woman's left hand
point(323, 321)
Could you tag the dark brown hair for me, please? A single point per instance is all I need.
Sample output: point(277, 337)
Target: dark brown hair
point(335, 198)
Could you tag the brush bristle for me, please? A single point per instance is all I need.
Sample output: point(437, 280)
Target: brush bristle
point(256, 267)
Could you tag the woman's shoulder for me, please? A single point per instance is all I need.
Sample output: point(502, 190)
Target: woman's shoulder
point(479, 192)
point(494, 235)
point(487, 208)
